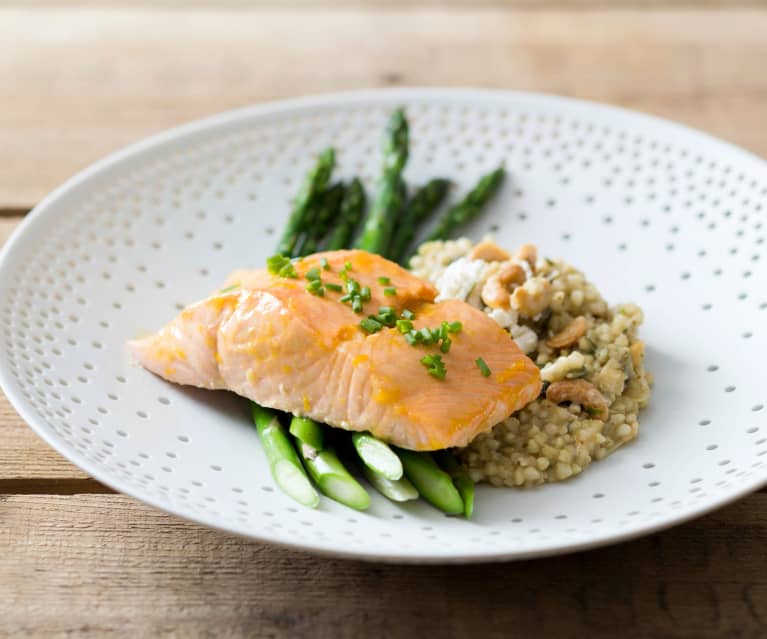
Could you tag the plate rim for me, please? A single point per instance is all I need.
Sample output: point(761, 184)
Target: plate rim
point(7, 384)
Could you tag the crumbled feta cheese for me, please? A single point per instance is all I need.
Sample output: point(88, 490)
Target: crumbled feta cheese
point(525, 267)
point(505, 318)
point(556, 370)
point(525, 338)
point(457, 280)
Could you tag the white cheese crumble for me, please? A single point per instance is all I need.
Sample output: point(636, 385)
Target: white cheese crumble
point(525, 338)
point(556, 370)
point(504, 318)
point(459, 278)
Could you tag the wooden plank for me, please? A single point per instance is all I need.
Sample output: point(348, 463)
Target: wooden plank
point(126, 76)
point(25, 459)
point(61, 574)
point(332, 4)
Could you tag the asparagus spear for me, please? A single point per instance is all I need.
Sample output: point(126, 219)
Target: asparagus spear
point(307, 431)
point(395, 489)
point(388, 202)
point(325, 211)
point(332, 478)
point(314, 183)
point(461, 479)
point(377, 456)
point(434, 484)
point(352, 207)
point(469, 207)
point(284, 464)
point(424, 203)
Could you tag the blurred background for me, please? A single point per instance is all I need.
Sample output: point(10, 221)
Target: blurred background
point(81, 79)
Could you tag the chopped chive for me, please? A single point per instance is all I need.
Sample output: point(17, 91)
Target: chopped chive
point(347, 266)
point(313, 274)
point(365, 293)
point(415, 336)
point(315, 288)
point(337, 288)
point(353, 286)
point(345, 298)
point(357, 304)
point(411, 338)
point(371, 325)
point(390, 290)
point(436, 334)
point(445, 345)
point(404, 326)
point(288, 271)
point(275, 263)
point(319, 292)
point(426, 336)
point(386, 316)
point(454, 327)
point(324, 264)
point(384, 280)
point(408, 314)
point(483, 367)
point(435, 366)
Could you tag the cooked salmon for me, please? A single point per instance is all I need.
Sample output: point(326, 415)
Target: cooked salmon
point(269, 339)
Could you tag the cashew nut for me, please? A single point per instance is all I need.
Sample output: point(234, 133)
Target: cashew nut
point(570, 334)
point(527, 253)
point(488, 252)
point(495, 292)
point(533, 297)
point(579, 391)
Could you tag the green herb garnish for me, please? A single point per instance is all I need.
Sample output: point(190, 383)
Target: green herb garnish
point(483, 367)
point(390, 291)
point(435, 366)
point(384, 280)
point(324, 264)
point(282, 266)
point(371, 325)
point(454, 327)
point(337, 288)
point(315, 288)
point(404, 326)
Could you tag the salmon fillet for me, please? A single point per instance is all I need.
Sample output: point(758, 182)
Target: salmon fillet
point(270, 340)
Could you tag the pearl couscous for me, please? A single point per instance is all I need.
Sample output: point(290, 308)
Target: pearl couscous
point(590, 357)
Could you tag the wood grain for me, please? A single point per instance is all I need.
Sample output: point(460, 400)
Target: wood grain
point(127, 75)
point(25, 458)
point(395, 4)
point(106, 566)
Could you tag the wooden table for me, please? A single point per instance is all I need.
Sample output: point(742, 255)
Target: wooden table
point(77, 82)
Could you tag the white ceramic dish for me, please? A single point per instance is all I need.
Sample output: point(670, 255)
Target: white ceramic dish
point(653, 212)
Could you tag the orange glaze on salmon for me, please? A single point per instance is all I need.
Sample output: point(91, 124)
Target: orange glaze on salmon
point(272, 341)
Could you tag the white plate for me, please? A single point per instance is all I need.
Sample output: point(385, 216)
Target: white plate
point(653, 212)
